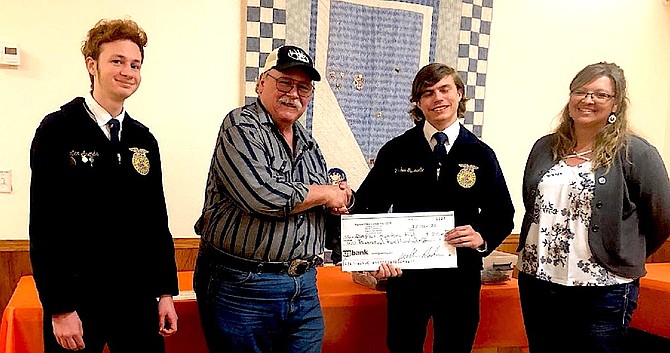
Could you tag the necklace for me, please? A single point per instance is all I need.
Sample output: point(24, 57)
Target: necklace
point(580, 155)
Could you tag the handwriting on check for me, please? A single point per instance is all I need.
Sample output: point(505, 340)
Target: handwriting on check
point(411, 240)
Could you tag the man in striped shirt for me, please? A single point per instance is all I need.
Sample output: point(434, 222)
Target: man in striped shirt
point(263, 220)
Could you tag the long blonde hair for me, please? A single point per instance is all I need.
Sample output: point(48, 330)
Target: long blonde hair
point(614, 136)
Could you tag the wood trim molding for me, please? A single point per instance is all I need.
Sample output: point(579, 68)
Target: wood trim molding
point(192, 243)
point(24, 244)
point(512, 238)
point(186, 243)
point(14, 245)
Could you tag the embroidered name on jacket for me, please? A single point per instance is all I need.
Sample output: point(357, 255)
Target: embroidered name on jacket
point(85, 157)
point(403, 170)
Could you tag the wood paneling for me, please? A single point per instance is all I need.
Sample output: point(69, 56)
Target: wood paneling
point(509, 244)
point(662, 254)
point(186, 251)
point(15, 260)
point(14, 263)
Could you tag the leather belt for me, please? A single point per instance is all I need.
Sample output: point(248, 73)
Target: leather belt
point(293, 268)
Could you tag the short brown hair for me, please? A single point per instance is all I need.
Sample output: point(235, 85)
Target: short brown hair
point(106, 31)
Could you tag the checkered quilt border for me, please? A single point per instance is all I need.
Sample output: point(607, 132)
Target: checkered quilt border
point(266, 30)
point(473, 51)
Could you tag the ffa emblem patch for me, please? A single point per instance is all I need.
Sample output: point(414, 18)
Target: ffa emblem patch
point(466, 177)
point(336, 175)
point(140, 160)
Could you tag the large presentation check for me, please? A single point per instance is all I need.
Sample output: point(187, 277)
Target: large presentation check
point(406, 240)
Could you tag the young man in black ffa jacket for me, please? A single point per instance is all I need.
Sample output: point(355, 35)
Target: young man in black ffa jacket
point(439, 166)
point(101, 251)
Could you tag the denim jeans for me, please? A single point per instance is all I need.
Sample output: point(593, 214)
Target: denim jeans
point(257, 312)
point(576, 319)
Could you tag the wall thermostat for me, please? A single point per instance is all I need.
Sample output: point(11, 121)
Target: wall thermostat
point(10, 54)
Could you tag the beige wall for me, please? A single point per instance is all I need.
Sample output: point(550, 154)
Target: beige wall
point(538, 46)
point(190, 78)
point(193, 68)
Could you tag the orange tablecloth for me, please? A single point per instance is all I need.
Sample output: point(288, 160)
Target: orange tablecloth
point(653, 306)
point(355, 317)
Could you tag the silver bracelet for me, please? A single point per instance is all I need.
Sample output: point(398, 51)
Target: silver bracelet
point(353, 201)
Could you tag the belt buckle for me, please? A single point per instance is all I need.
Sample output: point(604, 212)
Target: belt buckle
point(297, 267)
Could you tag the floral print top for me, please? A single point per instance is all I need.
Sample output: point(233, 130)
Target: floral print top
point(557, 248)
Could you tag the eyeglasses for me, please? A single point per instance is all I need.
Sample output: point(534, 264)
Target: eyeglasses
point(285, 84)
point(596, 96)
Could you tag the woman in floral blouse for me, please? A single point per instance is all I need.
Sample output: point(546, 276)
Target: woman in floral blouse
point(597, 200)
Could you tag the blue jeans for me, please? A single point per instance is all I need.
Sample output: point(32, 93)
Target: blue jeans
point(576, 319)
point(249, 312)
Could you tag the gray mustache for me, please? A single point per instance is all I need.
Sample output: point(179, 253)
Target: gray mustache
point(288, 100)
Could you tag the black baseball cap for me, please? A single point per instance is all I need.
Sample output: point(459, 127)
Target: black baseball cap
point(289, 56)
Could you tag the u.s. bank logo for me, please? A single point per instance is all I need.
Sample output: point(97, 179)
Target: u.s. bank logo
point(349, 253)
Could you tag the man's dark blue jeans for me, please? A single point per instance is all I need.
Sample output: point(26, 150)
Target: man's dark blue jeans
point(251, 312)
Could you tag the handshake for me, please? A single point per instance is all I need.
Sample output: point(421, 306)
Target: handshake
point(339, 206)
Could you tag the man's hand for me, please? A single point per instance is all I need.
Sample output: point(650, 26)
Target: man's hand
point(350, 198)
point(464, 237)
point(68, 330)
point(167, 316)
point(386, 270)
point(338, 196)
point(334, 197)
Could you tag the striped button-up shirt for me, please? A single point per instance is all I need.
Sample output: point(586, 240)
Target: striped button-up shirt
point(254, 182)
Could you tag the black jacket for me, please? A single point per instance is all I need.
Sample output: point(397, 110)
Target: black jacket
point(98, 227)
point(404, 177)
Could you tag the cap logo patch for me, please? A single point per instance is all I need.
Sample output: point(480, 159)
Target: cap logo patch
point(298, 55)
